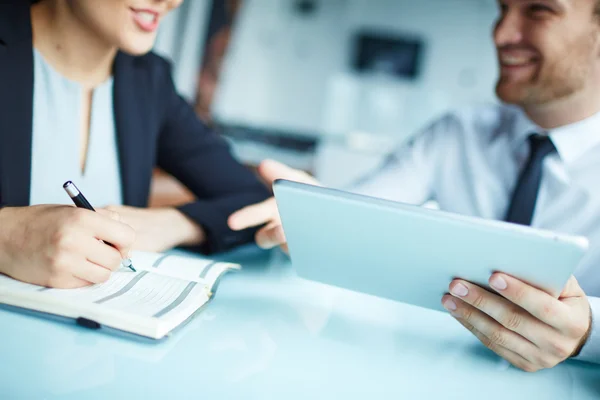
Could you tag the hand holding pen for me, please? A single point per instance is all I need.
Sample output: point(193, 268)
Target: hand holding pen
point(80, 201)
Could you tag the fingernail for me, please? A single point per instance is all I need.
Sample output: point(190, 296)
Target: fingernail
point(497, 282)
point(450, 305)
point(460, 290)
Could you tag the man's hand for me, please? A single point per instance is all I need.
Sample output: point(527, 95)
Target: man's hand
point(524, 325)
point(266, 212)
point(158, 229)
point(59, 246)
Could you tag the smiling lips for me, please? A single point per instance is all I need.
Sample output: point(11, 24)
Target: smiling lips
point(146, 20)
point(515, 61)
point(517, 64)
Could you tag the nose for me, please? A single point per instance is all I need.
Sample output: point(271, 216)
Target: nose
point(171, 4)
point(508, 29)
point(175, 3)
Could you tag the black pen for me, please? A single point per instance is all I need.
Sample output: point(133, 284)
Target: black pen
point(81, 202)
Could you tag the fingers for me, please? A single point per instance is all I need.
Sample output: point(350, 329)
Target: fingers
point(101, 261)
point(506, 323)
point(270, 236)
point(513, 358)
point(111, 213)
point(90, 272)
point(271, 170)
point(267, 212)
point(120, 235)
point(497, 335)
point(102, 254)
point(71, 270)
point(254, 215)
point(538, 303)
point(504, 312)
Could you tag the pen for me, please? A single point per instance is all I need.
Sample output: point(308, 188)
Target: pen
point(81, 202)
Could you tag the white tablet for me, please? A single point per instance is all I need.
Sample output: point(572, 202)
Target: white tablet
point(409, 253)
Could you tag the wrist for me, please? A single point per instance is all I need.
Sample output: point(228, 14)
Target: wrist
point(183, 231)
point(585, 337)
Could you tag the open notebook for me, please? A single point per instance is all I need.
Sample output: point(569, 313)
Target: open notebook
point(165, 291)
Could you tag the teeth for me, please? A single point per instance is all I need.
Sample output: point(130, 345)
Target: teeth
point(146, 16)
point(509, 60)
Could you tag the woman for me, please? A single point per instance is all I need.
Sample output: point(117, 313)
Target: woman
point(82, 99)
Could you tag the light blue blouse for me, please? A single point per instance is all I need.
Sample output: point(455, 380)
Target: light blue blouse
point(57, 103)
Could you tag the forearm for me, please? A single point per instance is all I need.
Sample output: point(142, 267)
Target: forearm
point(591, 349)
point(201, 160)
point(410, 173)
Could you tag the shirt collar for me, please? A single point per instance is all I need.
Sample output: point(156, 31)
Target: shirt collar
point(523, 127)
point(571, 141)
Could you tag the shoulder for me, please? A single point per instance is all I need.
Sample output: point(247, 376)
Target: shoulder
point(10, 9)
point(480, 121)
point(149, 64)
point(15, 21)
point(147, 77)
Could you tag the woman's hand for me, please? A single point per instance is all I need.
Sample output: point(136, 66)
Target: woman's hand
point(266, 212)
point(59, 246)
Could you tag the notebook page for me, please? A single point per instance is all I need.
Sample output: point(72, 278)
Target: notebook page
point(212, 276)
point(143, 294)
point(189, 268)
point(165, 291)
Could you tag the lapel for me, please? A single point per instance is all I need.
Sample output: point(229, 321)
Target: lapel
point(16, 103)
point(132, 116)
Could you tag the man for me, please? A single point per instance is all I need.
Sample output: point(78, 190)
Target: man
point(533, 161)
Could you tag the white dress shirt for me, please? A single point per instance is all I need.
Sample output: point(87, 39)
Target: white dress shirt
point(469, 162)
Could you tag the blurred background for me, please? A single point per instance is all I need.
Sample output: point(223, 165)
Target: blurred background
point(327, 86)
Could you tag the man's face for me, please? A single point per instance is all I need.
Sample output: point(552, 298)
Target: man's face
point(547, 49)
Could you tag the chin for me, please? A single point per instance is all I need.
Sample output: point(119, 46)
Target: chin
point(137, 47)
point(510, 94)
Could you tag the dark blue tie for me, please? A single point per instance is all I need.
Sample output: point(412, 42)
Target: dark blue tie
point(522, 205)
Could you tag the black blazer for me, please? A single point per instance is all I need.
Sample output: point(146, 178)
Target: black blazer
point(155, 127)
